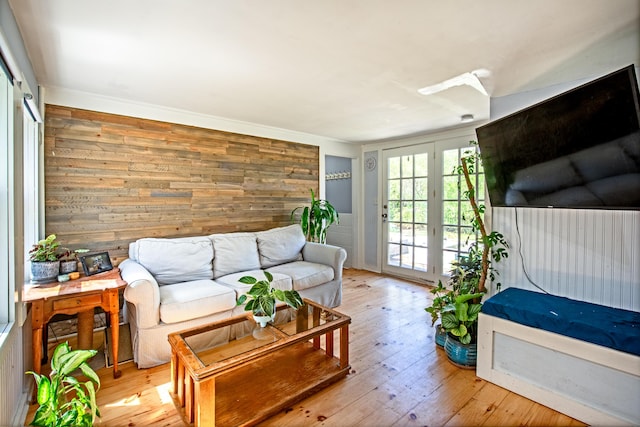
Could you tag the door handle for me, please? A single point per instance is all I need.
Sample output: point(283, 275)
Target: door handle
point(384, 215)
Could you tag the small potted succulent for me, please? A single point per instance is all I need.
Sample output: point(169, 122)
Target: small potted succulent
point(69, 260)
point(262, 298)
point(45, 260)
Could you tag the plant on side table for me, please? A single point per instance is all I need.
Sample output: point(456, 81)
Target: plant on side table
point(63, 400)
point(69, 260)
point(45, 262)
point(262, 298)
point(316, 219)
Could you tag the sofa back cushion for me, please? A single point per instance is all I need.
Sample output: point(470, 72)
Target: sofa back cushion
point(174, 260)
point(234, 252)
point(280, 245)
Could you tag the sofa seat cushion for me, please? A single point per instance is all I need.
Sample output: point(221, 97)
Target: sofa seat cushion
point(280, 245)
point(304, 274)
point(234, 252)
point(174, 260)
point(197, 298)
point(280, 281)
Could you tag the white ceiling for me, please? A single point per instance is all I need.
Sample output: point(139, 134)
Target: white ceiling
point(343, 69)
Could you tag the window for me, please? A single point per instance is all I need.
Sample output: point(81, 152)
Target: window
point(6, 202)
point(31, 186)
point(408, 233)
point(457, 233)
point(19, 195)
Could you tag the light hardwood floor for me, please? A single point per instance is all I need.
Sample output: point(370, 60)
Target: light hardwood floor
point(398, 376)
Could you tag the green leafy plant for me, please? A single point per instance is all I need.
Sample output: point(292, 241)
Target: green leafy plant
point(45, 250)
point(316, 219)
point(71, 255)
point(262, 296)
point(493, 244)
point(459, 304)
point(442, 297)
point(460, 318)
point(63, 400)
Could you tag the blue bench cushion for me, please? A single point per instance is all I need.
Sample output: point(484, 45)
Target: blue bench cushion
point(610, 327)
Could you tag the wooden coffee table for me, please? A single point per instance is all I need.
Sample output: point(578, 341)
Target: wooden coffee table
point(254, 377)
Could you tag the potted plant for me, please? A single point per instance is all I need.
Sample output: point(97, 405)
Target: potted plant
point(69, 259)
point(316, 219)
point(460, 314)
point(442, 297)
point(460, 307)
point(62, 399)
point(44, 257)
point(262, 298)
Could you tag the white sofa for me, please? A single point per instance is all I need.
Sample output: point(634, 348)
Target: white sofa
point(181, 283)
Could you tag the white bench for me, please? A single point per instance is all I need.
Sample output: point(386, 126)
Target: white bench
point(592, 383)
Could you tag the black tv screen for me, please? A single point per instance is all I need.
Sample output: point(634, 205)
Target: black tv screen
point(579, 149)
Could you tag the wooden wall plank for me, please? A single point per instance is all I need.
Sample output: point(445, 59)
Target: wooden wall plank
point(110, 180)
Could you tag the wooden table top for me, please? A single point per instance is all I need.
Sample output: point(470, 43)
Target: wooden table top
point(97, 282)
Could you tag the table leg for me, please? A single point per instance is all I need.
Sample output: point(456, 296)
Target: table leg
point(302, 319)
point(115, 341)
point(37, 323)
point(316, 322)
point(174, 371)
point(329, 343)
point(85, 329)
point(205, 402)
point(344, 346)
point(188, 397)
point(36, 336)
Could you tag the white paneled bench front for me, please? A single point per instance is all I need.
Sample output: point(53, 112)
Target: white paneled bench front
point(578, 358)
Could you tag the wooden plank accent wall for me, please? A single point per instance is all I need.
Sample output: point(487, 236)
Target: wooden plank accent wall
point(110, 180)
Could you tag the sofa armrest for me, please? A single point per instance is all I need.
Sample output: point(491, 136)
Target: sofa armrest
point(334, 256)
point(142, 291)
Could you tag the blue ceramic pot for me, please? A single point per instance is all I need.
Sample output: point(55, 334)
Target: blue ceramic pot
point(462, 355)
point(441, 336)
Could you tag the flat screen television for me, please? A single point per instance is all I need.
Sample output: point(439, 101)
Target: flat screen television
point(579, 149)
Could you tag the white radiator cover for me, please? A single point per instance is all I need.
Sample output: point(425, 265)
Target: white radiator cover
point(584, 254)
point(13, 402)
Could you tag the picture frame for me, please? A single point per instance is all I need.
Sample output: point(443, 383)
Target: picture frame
point(96, 263)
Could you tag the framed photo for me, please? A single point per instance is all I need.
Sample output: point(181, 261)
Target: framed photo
point(96, 263)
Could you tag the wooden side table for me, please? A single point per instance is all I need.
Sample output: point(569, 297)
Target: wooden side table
point(81, 297)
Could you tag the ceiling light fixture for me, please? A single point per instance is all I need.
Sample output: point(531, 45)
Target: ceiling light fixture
point(469, 79)
point(466, 118)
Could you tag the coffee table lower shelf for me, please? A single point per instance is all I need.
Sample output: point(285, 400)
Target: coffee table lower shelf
point(258, 390)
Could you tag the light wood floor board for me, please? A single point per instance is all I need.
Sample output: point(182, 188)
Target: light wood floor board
point(398, 376)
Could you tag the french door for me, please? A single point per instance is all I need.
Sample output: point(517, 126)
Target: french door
point(407, 220)
point(425, 215)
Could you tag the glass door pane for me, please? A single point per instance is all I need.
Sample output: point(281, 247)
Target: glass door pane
point(406, 210)
point(457, 233)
